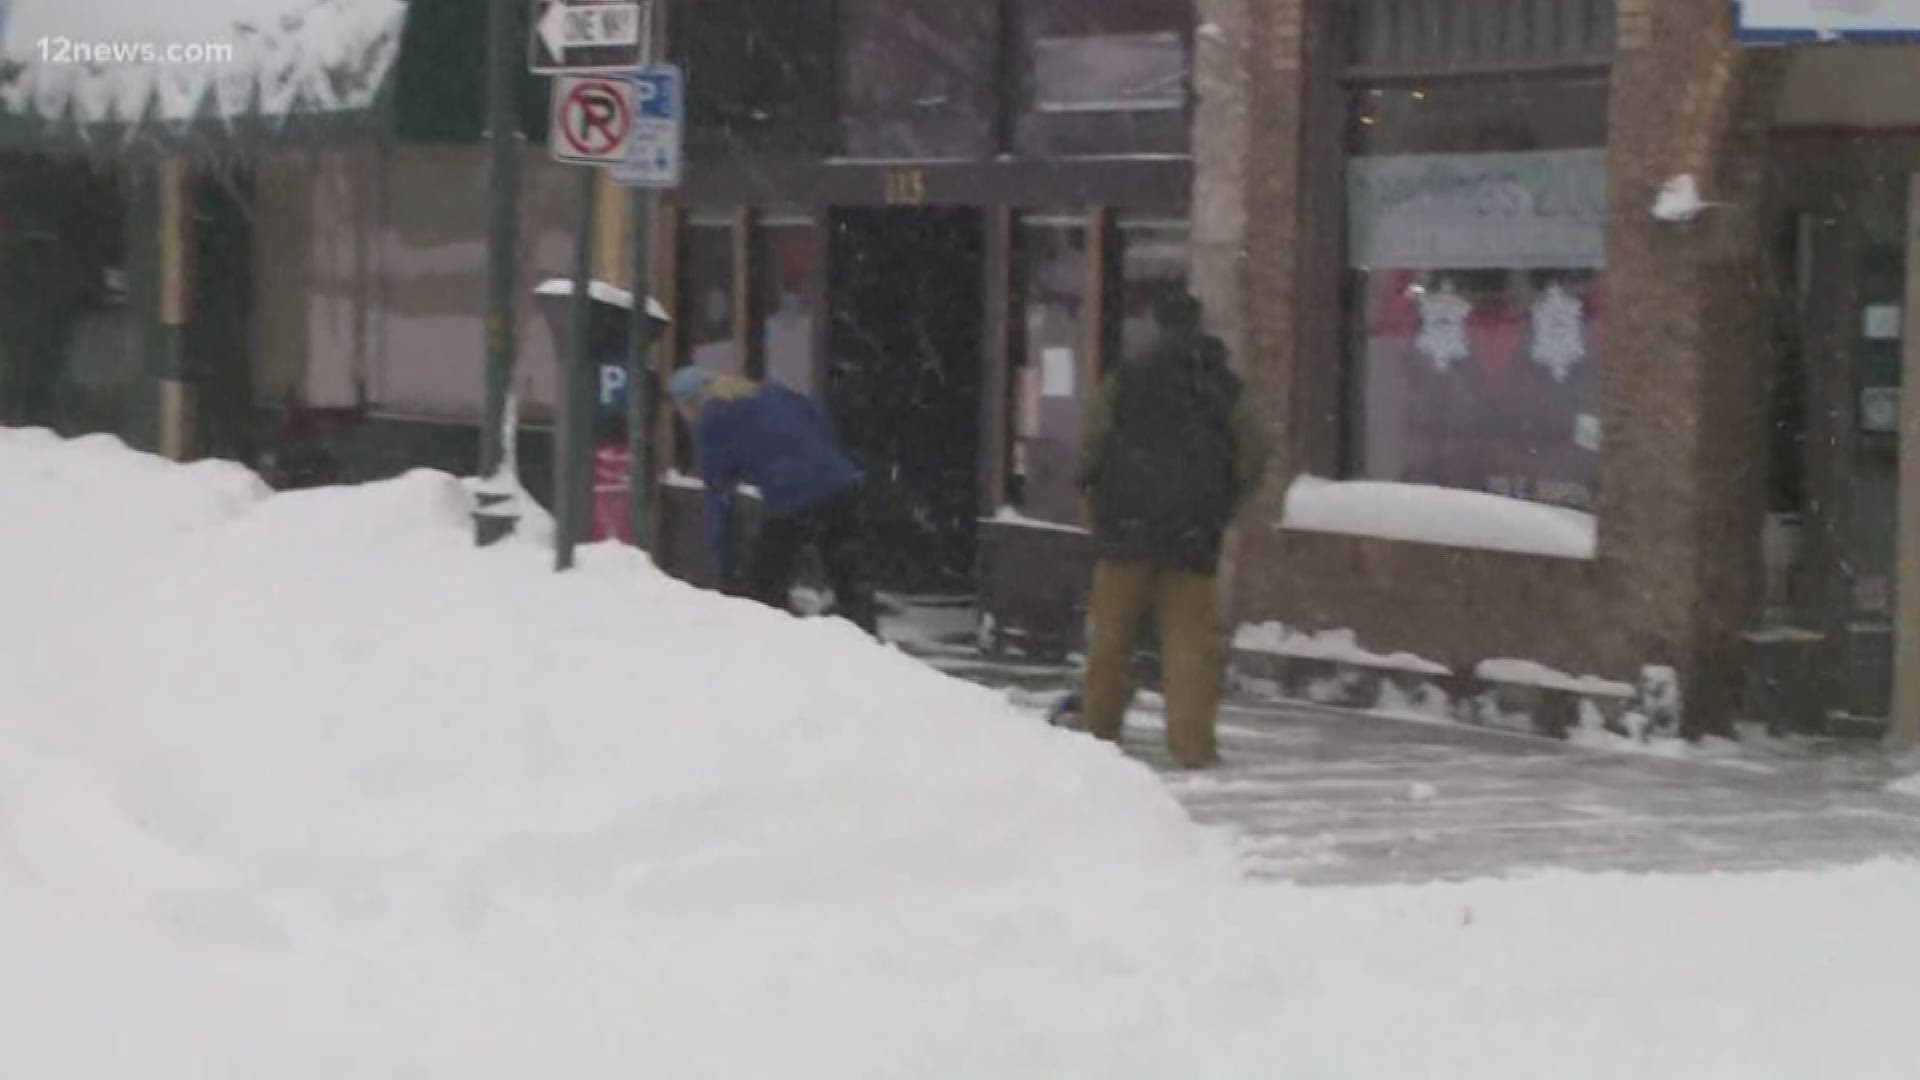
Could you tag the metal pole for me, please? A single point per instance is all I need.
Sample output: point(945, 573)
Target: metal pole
point(640, 384)
point(642, 404)
point(503, 143)
point(573, 480)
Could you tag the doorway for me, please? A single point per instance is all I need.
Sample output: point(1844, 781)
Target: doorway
point(219, 339)
point(904, 384)
point(1857, 278)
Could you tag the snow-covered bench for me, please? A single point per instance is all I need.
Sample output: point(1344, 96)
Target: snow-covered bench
point(1547, 701)
point(1330, 668)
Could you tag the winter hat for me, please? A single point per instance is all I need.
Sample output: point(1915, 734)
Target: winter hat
point(687, 383)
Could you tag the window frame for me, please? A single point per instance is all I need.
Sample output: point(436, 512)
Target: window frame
point(1334, 89)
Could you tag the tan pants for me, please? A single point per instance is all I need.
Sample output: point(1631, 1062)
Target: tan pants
point(1192, 653)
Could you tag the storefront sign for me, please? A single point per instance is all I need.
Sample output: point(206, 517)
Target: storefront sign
point(1775, 22)
point(1526, 211)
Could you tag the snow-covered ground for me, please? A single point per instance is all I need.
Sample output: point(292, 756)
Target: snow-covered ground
point(303, 786)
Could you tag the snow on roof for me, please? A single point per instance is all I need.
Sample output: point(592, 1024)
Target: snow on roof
point(604, 292)
point(1432, 515)
point(111, 59)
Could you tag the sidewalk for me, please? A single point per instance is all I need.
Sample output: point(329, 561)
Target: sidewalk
point(1324, 797)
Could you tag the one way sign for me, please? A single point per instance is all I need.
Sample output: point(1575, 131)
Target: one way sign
point(576, 36)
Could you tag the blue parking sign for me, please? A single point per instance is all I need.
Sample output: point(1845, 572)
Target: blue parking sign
point(655, 149)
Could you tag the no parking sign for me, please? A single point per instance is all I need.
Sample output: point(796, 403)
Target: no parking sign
point(592, 119)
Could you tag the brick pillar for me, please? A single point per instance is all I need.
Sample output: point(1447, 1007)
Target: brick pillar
point(1222, 126)
point(1246, 145)
point(1687, 346)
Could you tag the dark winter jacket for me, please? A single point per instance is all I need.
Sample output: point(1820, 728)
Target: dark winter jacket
point(1171, 451)
point(773, 438)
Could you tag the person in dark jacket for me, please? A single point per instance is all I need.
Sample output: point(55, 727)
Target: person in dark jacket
point(781, 442)
point(1171, 452)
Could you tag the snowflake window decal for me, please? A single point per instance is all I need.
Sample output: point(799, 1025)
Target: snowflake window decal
point(1443, 327)
point(1559, 332)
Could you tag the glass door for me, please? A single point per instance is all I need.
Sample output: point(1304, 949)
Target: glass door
point(1906, 638)
point(1871, 530)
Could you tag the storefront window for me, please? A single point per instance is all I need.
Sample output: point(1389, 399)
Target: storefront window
point(1046, 405)
point(1440, 34)
point(1475, 246)
point(1154, 255)
point(1103, 76)
point(790, 274)
point(918, 78)
point(757, 71)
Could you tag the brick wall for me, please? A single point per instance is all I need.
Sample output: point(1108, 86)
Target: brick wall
point(1682, 388)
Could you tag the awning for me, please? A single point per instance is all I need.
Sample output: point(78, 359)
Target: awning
point(111, 76)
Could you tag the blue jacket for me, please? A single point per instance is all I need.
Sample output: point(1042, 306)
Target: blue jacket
point(776, 439)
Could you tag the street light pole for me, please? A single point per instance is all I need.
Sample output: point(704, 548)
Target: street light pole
point(503, 172)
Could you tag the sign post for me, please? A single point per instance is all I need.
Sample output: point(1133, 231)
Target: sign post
point(588, 44)
point(494, 515)
point(573, 482)
point(609, 109)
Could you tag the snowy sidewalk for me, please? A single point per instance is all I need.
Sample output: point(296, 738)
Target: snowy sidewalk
point(1319, 796)
point(1324, 796)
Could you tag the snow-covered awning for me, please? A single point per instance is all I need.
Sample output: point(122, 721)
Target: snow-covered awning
point(105, 74)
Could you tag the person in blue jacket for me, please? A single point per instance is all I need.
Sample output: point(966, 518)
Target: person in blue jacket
point(781, 442)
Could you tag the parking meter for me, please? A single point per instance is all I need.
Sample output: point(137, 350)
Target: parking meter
point(613, 369)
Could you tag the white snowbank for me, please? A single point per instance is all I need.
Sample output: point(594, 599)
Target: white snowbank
point(1530, 673)
point(304, 786)
point(1340, 646)
point(1433, 515)
point(1909, 786)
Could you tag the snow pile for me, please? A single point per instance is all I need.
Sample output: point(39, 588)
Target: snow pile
point(1679, 200)
point(1909, 786)
point(1337, 646)
point(1530, 673)
point(324, 55)
point(304, 786)
point(1432, 515)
